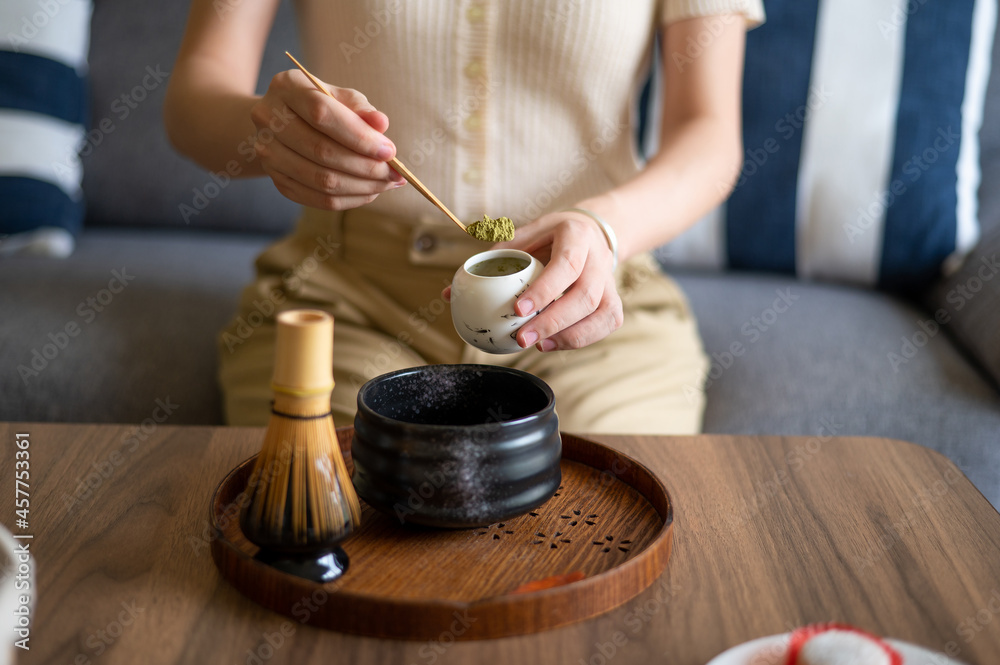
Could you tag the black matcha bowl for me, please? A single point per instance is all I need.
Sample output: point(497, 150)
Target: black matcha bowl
point(456, 446)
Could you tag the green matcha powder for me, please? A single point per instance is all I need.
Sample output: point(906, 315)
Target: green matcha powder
point(492, 230)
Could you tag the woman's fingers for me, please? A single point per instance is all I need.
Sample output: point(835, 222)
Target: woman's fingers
point(333, 118)
point(571, 243)
point(358, 103)
point(376, 120)
point(580, 301)
point(324, 154)
point(606, 319)
point(296, 191)
point(587, 312)
point(317, 147)
point(324, 180)
point(576, 293)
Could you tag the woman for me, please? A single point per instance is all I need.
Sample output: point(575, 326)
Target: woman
point(520, 108)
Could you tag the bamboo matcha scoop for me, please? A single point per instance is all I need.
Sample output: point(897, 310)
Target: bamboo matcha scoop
point(489, 230)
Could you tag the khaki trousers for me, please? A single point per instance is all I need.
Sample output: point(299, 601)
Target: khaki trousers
point(381, 279)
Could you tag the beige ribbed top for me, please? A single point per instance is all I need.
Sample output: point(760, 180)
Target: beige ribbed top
point(507, 108)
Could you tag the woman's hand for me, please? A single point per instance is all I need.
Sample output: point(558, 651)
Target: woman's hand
point(579, 268)
point(322, 152)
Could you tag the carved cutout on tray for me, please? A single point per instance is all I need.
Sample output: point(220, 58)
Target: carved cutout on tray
point(608, 542)
point(554, 539)
point(559, 530)
point(498, 531)
point(561, 536)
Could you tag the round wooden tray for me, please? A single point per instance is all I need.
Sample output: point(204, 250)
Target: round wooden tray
point(607, 531)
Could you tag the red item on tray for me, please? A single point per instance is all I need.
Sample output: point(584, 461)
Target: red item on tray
point(834, 644)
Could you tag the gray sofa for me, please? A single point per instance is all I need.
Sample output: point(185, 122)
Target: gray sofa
point(148, 333)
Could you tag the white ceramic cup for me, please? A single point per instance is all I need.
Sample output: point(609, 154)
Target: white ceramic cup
point(482, 307)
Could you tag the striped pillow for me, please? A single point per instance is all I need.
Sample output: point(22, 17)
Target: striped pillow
point(43, 97)
point(861, 122)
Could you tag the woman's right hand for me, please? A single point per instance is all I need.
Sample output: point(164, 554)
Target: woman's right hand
point(322, 152)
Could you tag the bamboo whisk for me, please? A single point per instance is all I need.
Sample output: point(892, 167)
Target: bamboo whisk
point(302, 498)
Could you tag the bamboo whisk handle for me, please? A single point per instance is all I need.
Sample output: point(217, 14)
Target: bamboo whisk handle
point(303, 353)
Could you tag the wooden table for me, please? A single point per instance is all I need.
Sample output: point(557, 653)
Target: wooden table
point(770, 533)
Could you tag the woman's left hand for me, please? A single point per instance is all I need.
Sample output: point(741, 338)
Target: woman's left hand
point(579, 268)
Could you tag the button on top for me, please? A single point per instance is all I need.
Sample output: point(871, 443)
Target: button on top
point(474, 69)
point(474, 121)
point(475, 14)
point(424, 243)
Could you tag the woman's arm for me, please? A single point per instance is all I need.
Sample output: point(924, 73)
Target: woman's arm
point(698, 161)
point(321, 152)
point(211, 90)
point(701, 145)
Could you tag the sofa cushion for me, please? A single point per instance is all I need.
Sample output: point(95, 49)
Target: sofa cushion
point(860, 131)
point(969, 299)
point(816, 360)
point(132, 175)
point(967, 303)
point(43, 103)
point(129, 319)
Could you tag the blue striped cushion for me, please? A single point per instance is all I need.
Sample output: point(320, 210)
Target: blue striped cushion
point(861, 122)
point(43, 109)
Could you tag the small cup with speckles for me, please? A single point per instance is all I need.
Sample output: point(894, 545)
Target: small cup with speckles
point(483, 293)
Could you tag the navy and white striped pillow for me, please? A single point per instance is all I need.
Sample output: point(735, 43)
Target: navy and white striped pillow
point(861, 122)
point(43, 98)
